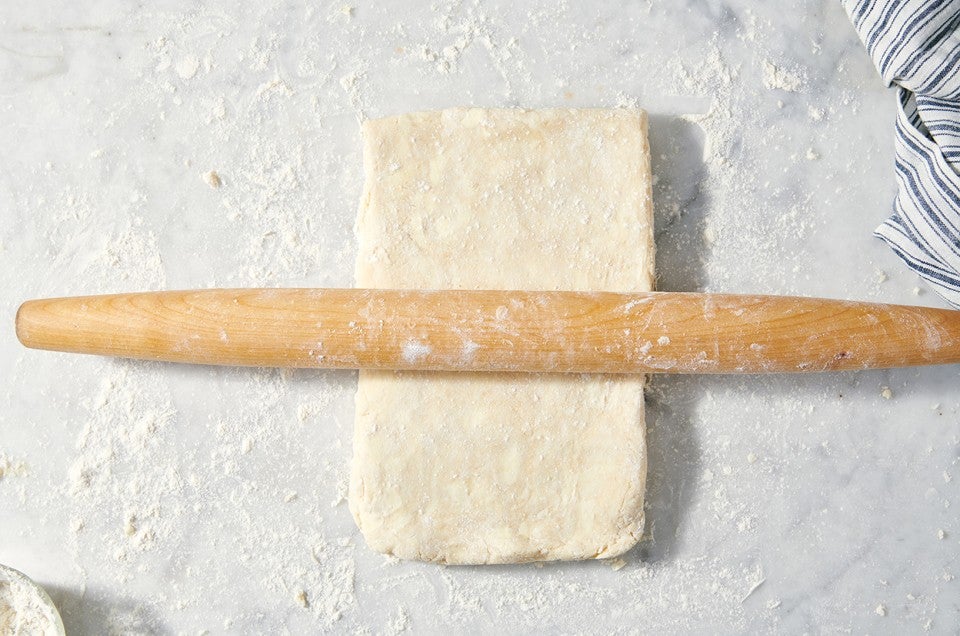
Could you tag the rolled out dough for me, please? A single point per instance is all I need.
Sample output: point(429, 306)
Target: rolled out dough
point(502, 468)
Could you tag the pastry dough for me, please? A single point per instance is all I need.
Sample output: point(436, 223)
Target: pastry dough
point(502, 468)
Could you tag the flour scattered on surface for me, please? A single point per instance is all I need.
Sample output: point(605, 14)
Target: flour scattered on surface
point(400, 621)
point(778, 78)
point(187, 66)
point(212, 179)
point(12, 467)
point(302, 599)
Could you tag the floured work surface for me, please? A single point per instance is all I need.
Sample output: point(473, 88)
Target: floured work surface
point(503, 468)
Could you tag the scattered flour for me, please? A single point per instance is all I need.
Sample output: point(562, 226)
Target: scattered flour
point(187, 66)
point(400, 622)
point(12, 467)
point(213, 179)
point(779, 78)
point(414, 350)
point(815, 113)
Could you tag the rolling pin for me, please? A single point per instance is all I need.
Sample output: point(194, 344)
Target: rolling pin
point(545, 331)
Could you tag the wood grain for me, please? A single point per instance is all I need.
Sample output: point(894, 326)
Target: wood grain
point(655, 332)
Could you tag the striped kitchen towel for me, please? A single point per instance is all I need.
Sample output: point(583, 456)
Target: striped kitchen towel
point(915, 44)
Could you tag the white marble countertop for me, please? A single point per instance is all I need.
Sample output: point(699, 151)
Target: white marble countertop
point(154, 498)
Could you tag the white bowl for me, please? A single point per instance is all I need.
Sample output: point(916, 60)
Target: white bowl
point(25, 608)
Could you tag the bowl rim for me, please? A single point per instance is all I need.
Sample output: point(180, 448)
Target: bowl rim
point(10, 573)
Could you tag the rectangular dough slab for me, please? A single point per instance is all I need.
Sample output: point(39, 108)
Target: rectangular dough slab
point(502, 468)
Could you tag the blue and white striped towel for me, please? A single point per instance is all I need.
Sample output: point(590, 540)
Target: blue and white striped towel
point(915, 44)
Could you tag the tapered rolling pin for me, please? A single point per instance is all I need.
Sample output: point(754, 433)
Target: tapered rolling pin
point(655, 332)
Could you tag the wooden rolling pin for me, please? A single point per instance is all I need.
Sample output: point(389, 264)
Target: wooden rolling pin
point(656, 332)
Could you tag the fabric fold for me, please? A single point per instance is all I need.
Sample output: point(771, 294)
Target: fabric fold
point(915, 45)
